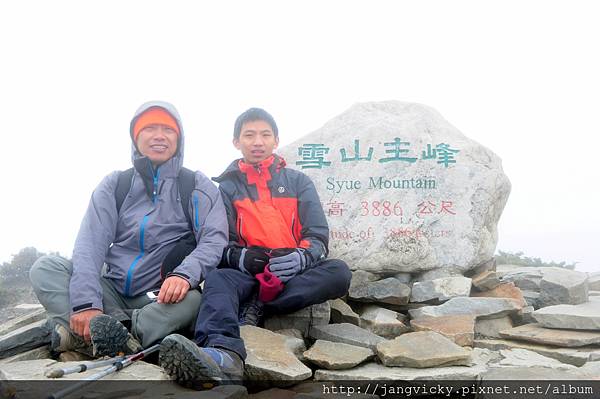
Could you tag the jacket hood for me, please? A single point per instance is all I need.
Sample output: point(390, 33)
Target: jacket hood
point(234, 167)
point(173, 165)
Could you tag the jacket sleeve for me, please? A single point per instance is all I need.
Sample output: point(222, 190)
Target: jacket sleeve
point(96, 234)
point(209, 222)
point(315, 231)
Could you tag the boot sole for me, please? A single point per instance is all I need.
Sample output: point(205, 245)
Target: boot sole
point(188, 366)
point(109, 336)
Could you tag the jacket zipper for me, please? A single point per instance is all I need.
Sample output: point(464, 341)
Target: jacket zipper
point(137, 259)
point(196, 221)
point(240, 218)
point(293, 227)
point(142, 233)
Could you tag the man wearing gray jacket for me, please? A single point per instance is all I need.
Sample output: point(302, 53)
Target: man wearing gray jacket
point(99, 299)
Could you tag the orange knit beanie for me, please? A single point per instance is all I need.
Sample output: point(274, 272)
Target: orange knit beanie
point(153, 116)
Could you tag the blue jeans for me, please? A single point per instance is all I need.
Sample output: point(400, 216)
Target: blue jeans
point(224, 290)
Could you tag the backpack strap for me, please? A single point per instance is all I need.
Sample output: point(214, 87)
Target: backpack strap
point(186, 182)
point(123, 186)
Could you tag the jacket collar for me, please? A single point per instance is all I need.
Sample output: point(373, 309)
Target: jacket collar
point(274, 164)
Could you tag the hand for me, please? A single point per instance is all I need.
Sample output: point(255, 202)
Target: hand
point(173, 290)
point(287, 266)
point(251, 260)
point(80, 322)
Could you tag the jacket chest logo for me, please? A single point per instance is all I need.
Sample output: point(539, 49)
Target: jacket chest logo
point(281, 190)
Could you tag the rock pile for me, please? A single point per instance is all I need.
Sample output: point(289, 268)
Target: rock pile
point(459, 337)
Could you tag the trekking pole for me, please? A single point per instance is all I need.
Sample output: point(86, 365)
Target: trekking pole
point(121, 364)
point(80, 368)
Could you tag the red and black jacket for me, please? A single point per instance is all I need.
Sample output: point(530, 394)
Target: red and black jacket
point(271, 206)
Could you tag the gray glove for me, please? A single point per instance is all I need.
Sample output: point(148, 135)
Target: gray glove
point(287, 266)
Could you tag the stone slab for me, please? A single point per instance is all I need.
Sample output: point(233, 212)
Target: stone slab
point(388, 290)
point(22, 339)
point(459, 329)
point(585, 316)
point(341, 312)
point(566, 338)
point(490, 328)
point(270, 358)
point(21, 321)
point(479, 307)
point(486, 281)
point(337, 356)
point(562, 286)
point(575, 356)
point(383, 322)
point(440, 289)
point(302, 319)
point(525, 358)
point(378, 372)
point(422, 349)
point(505, 290)
point(346, 333)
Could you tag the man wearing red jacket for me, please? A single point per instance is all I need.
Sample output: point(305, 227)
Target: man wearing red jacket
point(278, 234)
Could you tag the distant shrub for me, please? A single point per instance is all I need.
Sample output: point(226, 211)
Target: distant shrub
point(517, 258)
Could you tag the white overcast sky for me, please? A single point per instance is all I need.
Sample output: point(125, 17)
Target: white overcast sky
point(520, 77)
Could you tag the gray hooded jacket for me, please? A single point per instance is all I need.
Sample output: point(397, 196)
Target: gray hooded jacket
point(134, 242)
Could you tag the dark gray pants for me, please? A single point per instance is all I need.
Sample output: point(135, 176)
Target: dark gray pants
point(150, 321)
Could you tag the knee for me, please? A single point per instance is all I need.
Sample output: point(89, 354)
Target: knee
point(342, 274)
point(45, 268)
point(219, 277)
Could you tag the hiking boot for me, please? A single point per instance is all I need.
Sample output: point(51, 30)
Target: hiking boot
point(63, 340)
point(199, 368)
point(111, 338)
point(251, 312)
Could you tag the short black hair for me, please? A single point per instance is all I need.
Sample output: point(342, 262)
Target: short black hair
point(251, 115)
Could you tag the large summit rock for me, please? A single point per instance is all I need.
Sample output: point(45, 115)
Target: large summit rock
point(403, 190)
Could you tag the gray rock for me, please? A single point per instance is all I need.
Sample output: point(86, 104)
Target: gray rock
point(485, 266)
point(25, 338)
point(532, 298)
point(270, 358)
point(523, 316)
point(575, 356)
point(378, 372)
point(42, 352)
point(346, 333)
point(21, 321)
point(383, 322)
point(388, 290)
point(526, 278)
point(302, 319)
point(522, 373)
point(525, 358)
point(451, 226)
point(585, 316)
point(539, 334)
point(422, 350)
point(459, 328)
point(487, 280)
point(337, 356)
point(440, 289)
point(341, 312)
point(490, 328)
point(594, 281)
point(479, 307)
point(562, 286)
point(404, 278)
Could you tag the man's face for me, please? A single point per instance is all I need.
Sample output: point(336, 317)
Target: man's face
point(157, 142)
point(257, 141)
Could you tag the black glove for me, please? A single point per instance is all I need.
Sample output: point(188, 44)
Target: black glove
point(251, 260)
